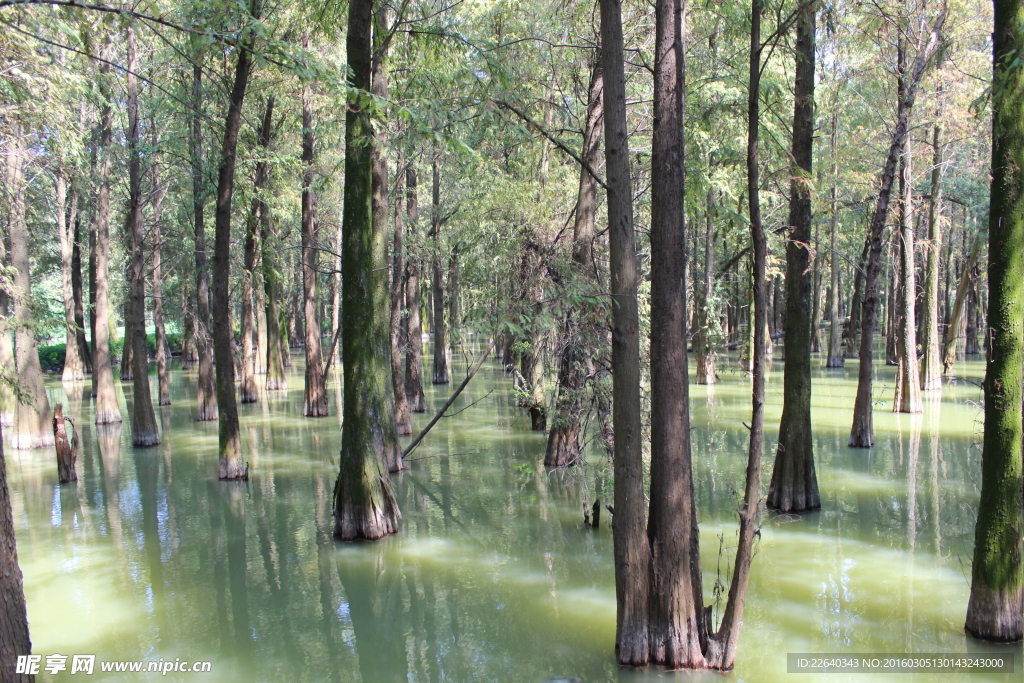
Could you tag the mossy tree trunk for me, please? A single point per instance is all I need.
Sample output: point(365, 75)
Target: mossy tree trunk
point(206, 393)
point(931, 365)
point(231, 465)
point(364, 504)
point(144, 428)
point(794, 486)
point(994, 611)
point(14, 638)
point(441, 350)
point(908, 376)
point(397, 296)
point(76, 289)
point(414, 350)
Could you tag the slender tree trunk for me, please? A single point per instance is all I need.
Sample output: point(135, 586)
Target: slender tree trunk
point(250, 392)
point(144, 428)
point(162, 350)
point(93, 257)
point(631, 547)
point(974, 316)
point(314, 396)
point(994, 611)
point(908, 376)
point(955, 328)
point(931, 367)
point(851, 331)
point(414, 352)
point(397, 299)
point(364, 504)
point(66, 451)
point(702, 341)
point(73, 368)
point(676, 595)
point(579, 330)
point(206, 392)
point(231, 465)
point(32, 411)
point(862, 434)
point(835, 357)
point(127, 370)
point(794, 486)
point(107, 411)
point(7, 397)
point(14, 639)
point(76, 288)
point(273, 287)
point(441, 350)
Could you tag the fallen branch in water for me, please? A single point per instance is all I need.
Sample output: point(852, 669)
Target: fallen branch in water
point(419, 437)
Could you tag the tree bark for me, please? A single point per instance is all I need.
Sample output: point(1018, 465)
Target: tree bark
point(703, 346)
point(794, 486)
point(76, 287)
point(145, 432)
point(631, 547)
point(364, 504)
point(955, 328)
point(107, 411)
point(14, 638)
point(206, 392)
point(250, 392)
point(7, 397)
point(908, 375)
point(66, 454)
point(414, 350)
point(862, 434)
point(231, 465)
point(162, 350)
point(579, 330)
point(74, 371)
point(314, 395)
point(32, 412)
point(441, 350)
point(835, 358)
point(994, 611)
point(127, 371)
point(397, 299)
point(931, 366)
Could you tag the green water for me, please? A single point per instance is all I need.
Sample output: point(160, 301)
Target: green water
point(493, 577)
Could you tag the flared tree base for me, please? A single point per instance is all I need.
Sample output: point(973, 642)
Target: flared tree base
point(145, 438)
point(108, 417)
point(995, 615)
point(233, 469)
point(563, 445)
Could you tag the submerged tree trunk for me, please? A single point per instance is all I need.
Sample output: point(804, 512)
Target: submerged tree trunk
point(364, 504)
point(862, 434)
point(794, 486)
point(908, 376)
point(675, 583)
point(397, 299)
point(144, 428)
point(14, 639)
point(631, 547)
point(250, 392)
point(231, 465)
point(162, 350)
point(314, 395)
point(441, 351)
point(66, 209)
point(414, 351)
point(273, 287)
point(66, 455)
point(107, 411)
point(32, 413)
point(994, 611)
point(835, 357)
point(931, 367)
point(206, 392)
point(955, 327)
point(579, 330)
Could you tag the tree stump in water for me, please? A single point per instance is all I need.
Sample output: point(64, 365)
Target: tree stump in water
point(66, 450)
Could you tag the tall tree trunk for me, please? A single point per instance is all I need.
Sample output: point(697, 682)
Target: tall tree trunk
point(76, 289)
point(397, 300)
point(631, 547)
point(32, 415)
point(702, 341)
point(414, 351)
point(127, 314)
point(908, 376)
point(7, 397)
point(794, 486)
point(206, 392)
point(73, 368)
point(441, 350)
point(955, 328)
point(250, 392)
point(835, 357)
point(14, 639)
point(273, 287)
point(994, 611)
point(862, 434)
point(851, 331)
point(931, 366)
point(144, 429)
point(162, 350)
point(974, 316)
point(93, 254)
point(314, 395)
point(675, 584)
point(231, 465)
point(364, 504)
point(579, 330)
point(107, 411)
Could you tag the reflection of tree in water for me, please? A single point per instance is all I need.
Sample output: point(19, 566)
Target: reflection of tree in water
point(373, 587)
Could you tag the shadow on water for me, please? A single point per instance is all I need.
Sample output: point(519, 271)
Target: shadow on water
point(493, 575)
